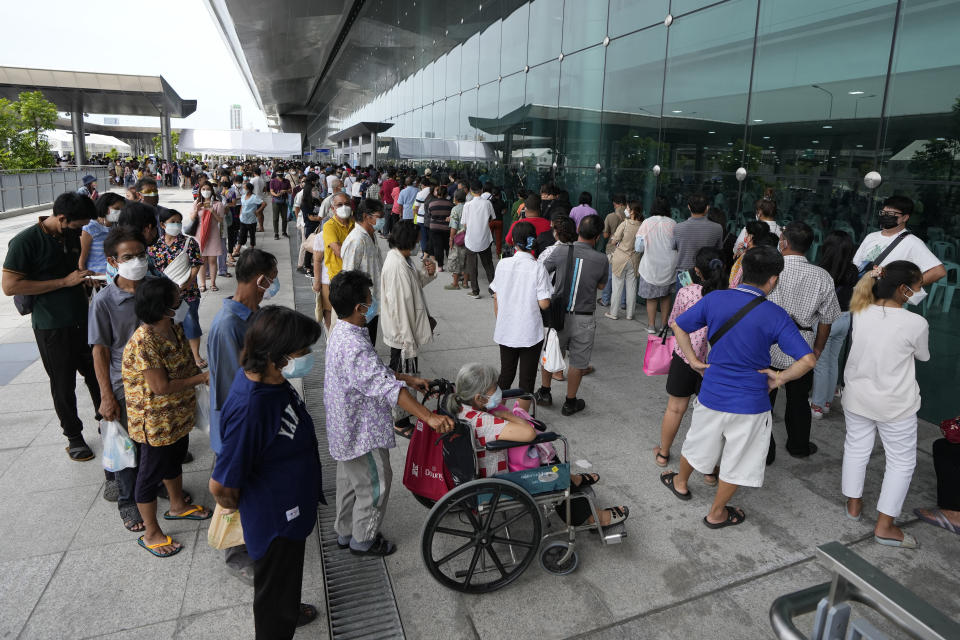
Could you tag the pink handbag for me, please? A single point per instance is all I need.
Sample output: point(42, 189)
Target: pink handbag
point(659, 353)
point(521, 458)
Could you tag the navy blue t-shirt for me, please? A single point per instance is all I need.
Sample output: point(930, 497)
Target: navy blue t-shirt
point(269, 452)
point(732, 383)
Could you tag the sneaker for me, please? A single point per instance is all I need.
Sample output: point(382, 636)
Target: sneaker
point(609, 315)
point(572, 406)
point(452, 287)
point(652, 330)
point(816, 412)
point(826, 408)
point(475, 296)
point(543, 397)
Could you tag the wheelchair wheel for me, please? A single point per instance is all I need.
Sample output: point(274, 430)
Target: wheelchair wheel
point(481, 550)
point(550, 558)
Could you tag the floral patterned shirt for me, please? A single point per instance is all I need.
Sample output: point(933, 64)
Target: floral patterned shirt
point(686, 298)
point(163, 254)
point(358, 392)
point(158, 420)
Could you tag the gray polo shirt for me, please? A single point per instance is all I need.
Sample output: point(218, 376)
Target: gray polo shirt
point(693, 234)
point(110, 322)
point(589, 272)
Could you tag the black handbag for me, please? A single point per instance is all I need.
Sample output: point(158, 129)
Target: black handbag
point(24, 304)
point(556, 315)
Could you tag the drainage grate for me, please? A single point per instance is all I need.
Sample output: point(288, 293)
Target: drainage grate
point(360, 600)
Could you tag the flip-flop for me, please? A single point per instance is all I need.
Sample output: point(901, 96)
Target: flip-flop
point(152, 547)
point(908, 542)
point(195, 512)
point(214, 288)
point(666, 479)
point(657, 456)
point(734, 517)
point(937, 519)
point(710, 479)
point(587, 479)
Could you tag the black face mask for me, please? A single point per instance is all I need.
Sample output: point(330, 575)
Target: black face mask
point(888, 221)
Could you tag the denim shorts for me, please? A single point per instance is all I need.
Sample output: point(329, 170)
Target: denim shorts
point(191, 323)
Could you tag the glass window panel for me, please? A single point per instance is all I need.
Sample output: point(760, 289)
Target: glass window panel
point(536, 133)
point(470, 64)
point(584, 24)
point(487, 107)
point(581, 91)
point(513, 52)
point(630, 15)
point(453, 70)
point(451, 118)
point(546, 25)
point(679, 7)
point(705, 95)
point(440, 78)
point(511, 93)
point(817, 89)
point(426, 89)
point(468, 109)
point(632, 90)
point(489, 65)
point(576, 180)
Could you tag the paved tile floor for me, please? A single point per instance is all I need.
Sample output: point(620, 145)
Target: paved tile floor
point(69, 570)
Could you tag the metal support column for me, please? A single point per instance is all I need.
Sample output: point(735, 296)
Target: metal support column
point(79, 143)
point(166, 141)
point(373, 156)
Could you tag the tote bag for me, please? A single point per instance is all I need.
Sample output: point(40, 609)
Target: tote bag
point(552, 356)
point(424, 473)
point(656, 359)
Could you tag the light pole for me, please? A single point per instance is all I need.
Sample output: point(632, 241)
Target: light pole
point(830, 114)
point(856, 104)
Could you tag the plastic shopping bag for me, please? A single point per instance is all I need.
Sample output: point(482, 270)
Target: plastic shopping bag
point(225, 529)
point(202, 416)
point(118, 449)
point(659, 353)
point(552, 356)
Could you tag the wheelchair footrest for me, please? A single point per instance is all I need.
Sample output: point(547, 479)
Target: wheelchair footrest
point(614, 534)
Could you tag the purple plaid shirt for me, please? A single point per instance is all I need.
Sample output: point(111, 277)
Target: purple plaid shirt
point(358, 392)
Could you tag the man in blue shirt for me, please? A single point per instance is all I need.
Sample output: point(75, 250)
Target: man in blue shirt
point(732, 415)
point(406, 198)
point(256, 280)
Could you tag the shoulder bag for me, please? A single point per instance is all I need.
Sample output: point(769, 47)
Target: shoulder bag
point(737, 317)
point(556, 314)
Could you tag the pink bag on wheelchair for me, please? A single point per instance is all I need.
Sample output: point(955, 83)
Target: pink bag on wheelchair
point(656, 359)
point(536, 455)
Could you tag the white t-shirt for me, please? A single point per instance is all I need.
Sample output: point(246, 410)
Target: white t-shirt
point(881, 383)
point(910, 248)
point(519, 283)
point(348, 184)
point(476, 217)
point(330, 178)
point(418, 213)
point(258, 184)
point(742, 238)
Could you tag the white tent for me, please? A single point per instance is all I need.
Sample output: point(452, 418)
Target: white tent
point(62, 141)
point(239, 143)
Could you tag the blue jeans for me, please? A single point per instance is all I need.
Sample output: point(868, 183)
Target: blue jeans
point(608, 290)
point(827, 371)
point(425, 238)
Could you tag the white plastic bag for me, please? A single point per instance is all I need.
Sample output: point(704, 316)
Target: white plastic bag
point(552, 356)
point(118, 449)
point(202, 417)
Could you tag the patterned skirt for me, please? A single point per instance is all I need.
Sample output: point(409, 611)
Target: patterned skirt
point(649, 291)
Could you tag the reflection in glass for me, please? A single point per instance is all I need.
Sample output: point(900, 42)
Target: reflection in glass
point(546, 27)
point(581, 93)
point(513, 52)
point(536, 128)
point(489, 66)
point(584, 24)
point(453, 70)
point(630, 15)
point(470, 64)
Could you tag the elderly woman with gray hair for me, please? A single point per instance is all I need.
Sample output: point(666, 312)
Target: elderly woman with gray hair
point(478, 402)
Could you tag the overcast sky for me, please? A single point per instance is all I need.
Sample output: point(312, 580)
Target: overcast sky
point(176, 39)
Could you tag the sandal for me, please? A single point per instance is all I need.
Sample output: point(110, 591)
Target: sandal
point(79, 452)
point(203, 289)
point(937, 519)
point(659, 456)
point(734, 517)
point(201, 363)
point(195, 512)
point(710, 479)
point(588, 479)
point(132, 520)
point(666, 479)
point(177, 547)
point(381, 547)
point(163, 493)
point(617, 515)
point(214, 288)
point(558, 376)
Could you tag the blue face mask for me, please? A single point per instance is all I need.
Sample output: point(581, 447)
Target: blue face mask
point(111, 271)
point(372, 310)
point(272, 290)
point(379, 224)
point(298, 367)
point(494, 401)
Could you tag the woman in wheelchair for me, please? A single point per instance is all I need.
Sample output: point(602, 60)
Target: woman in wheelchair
point(478, 402)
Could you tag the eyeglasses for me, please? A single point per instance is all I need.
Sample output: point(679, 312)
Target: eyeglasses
point(891, 212)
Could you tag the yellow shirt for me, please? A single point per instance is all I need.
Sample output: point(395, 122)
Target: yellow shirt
point(158, 420)
point(334, 231)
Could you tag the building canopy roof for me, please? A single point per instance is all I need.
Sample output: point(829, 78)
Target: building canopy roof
point(97, 92)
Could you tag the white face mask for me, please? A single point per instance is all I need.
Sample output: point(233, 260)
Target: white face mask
point(134, 269)
point(206, 193)
point(113, 216)
point(628, 213)
point(180, 313)
point(344, 212)
point(173, 228)
point(916, 297)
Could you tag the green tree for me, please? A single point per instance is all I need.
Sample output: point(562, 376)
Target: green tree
point(9, 131)
point(23, 144)
point(158, 144)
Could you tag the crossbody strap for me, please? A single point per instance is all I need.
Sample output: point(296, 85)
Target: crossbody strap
point(890, 247)
point(567, 280)
point(729, 324)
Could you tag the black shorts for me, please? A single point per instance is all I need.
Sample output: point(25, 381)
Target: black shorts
point(682, 380)
point(158, 464)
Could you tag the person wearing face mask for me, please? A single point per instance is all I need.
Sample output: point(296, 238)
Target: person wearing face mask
point(92, 258)
point(165, 250)
point(656, 273)
point(211, 212)
point(327, 258)
point(251, 207)
point(40, 268)
point(361, 253)
point(359, 425)
point(881, 395)
point(159, 376)
point(895, 242)
point(610, 224)
point(111, 322)
point(268, 467)
point(808, 294)
point(306, 205)
point(146, 192)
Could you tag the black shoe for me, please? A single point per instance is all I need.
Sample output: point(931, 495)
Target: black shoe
point(285, 235)
point(543, 397)
point(572, 406)
point(308, 613)
point(812, 449)
point(380, 547)
point(276, 236)
point(187, 458)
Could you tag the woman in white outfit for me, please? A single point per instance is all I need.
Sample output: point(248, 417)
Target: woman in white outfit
point(658, 266)
point(881, 393)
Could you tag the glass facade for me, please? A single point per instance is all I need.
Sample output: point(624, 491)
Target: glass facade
point(806, 96)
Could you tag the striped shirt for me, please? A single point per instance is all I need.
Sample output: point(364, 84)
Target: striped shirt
point(589, 272)
point(693, 234)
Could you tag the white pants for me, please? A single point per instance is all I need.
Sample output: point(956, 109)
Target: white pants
point(900, 446)
point(630, 278)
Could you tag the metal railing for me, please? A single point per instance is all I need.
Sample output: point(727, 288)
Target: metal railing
point(856, 580)
point(31, 187)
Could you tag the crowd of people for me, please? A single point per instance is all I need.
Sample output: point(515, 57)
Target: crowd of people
point(114, 284)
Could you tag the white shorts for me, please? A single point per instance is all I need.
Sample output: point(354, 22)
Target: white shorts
point(739, 441)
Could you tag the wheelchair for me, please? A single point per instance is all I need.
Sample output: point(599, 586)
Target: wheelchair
point(485, 532)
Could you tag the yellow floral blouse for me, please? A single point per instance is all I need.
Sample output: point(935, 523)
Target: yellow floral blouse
point(158, 420)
